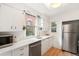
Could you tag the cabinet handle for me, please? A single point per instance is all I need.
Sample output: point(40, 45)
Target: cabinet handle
point(22, 49)
point(11, 27)
point(35, 45)
point(14, 36)
point(15, 27)
point(21, 54)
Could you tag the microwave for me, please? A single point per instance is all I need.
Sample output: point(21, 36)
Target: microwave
point(6, 40)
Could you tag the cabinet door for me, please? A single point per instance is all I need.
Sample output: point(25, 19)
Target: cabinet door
point(5, 18)
point(50, 42)
point(55, 41)
point(9, 53)
point(26, 51)
point(11, 19)
point(18, 20)
point(44, 46)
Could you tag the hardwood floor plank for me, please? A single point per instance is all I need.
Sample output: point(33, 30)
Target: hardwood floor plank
point(57, 52)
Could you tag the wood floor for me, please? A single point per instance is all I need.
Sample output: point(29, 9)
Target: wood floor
point(57, 52)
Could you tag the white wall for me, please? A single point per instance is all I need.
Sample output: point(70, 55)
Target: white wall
point(71, 15)
point(47, 24)
point(66, 16)
point(57, 42)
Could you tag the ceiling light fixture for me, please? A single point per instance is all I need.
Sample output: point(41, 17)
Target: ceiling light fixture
point(55, 5)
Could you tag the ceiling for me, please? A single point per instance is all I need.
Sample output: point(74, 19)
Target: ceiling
point(42, 8)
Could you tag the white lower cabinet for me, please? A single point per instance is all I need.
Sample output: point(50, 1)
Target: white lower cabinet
point(46, 44)
point(55, 41)
point(22, 51)
point(9, 53)
point(50, 42)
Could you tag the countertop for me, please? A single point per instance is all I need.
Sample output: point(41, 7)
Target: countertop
point(22, 43)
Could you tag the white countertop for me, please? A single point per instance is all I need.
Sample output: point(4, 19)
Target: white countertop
point(22, 43)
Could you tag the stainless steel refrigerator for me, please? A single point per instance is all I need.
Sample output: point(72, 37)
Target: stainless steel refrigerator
point(70, 36)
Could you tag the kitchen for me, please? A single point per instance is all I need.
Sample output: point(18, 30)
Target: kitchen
point(25, 29)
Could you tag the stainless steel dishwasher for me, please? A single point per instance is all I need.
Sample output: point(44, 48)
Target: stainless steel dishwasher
point(35, 49)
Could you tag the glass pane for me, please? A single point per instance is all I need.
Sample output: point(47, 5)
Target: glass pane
point(30, 30)
point(40, 21)
point(30, 25)
point(53, 27)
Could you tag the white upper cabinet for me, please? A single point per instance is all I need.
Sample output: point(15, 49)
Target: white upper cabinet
point(11, 19)
point(5, 18)
point(18, 20)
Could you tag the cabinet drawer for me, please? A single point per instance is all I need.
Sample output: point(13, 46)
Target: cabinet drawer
point(9, 53)
point(20, 51)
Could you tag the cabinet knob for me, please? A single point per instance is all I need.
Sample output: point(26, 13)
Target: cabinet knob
point(14, 37)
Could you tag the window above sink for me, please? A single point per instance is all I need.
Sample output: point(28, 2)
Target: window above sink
point(34, 24)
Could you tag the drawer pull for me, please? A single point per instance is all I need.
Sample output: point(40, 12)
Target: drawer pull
point(22, 49)
point(21, 54)
point(35, 45)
